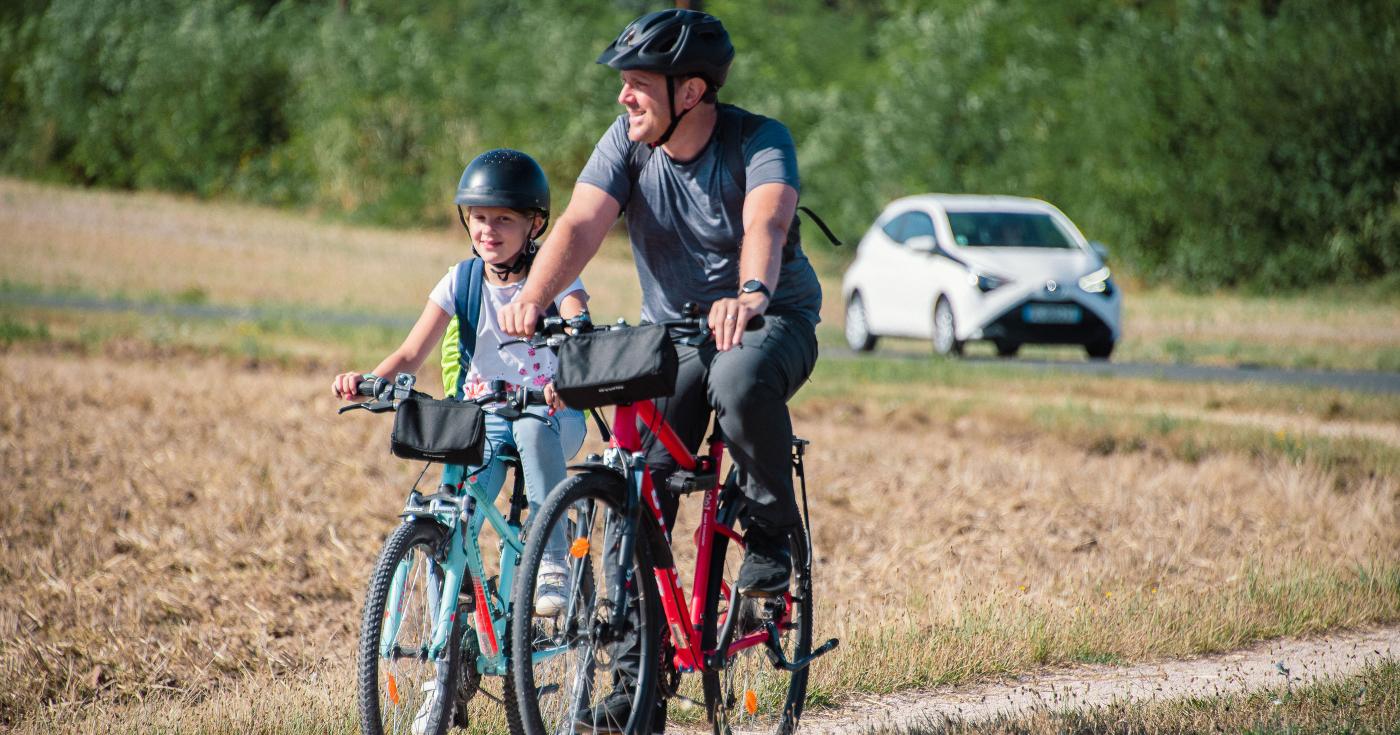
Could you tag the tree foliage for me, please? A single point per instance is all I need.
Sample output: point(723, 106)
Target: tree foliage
point(1210, 142)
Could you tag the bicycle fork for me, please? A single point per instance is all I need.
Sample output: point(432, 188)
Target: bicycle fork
point(443, 603)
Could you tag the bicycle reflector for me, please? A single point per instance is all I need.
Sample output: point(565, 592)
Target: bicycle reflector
point(579, 548)
point(393, 688)
point(750, 701)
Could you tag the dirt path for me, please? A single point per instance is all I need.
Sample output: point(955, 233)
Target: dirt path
point(1297, 662)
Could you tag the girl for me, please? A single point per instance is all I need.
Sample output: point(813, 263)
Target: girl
point(506, 197)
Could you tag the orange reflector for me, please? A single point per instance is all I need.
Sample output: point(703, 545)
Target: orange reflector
point(750, 701)
point(393, 689)
point(579, 548)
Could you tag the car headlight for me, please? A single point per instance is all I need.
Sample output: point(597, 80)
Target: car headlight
point(984, 282)
point(1097, 282)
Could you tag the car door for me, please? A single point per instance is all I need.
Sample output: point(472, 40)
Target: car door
point(909, 285)
point(882, 262)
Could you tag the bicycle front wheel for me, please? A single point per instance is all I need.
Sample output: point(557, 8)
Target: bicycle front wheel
point(579, 667)
point(403, 688)
point(748, 693)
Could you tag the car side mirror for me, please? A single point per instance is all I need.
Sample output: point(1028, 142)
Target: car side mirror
point(922, 243)
point(1099, 248)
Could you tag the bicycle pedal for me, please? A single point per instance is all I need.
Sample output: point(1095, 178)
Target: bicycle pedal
point(686, 702)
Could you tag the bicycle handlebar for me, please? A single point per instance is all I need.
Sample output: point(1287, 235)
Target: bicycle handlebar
point(694, 328)
point(387, 394)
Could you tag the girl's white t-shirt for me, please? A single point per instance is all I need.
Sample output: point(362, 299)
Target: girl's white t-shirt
point(518, 364)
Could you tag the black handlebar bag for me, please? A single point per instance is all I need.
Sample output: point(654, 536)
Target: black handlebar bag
point(438, 431)
point(607, 368)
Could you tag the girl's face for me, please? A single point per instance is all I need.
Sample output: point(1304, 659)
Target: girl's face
point(498, 232)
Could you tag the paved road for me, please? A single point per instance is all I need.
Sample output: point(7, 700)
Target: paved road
point(1374, 382)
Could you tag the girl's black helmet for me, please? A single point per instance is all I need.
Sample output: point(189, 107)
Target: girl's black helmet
point(504, 178)
point(675, 43)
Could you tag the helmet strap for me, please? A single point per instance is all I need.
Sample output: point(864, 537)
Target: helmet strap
point(675, 118)
point(522, 260)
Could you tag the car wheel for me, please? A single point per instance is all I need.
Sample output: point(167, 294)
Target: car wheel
point(945, 334)
point(1007, 349)
point(1100, 350)
point(858, 334)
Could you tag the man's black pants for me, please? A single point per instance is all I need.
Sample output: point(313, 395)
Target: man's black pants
point(748, 388)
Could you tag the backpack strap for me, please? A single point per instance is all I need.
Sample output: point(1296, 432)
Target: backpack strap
point(470, 274)
point(735, 127)
point(471, 279)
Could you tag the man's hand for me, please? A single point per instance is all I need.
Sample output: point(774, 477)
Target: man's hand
point(518, 318)
point(728, 317)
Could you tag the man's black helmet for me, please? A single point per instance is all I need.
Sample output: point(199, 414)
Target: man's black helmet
point(504, 178)
point(675, 43)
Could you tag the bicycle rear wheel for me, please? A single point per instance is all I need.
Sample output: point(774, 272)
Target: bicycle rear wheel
point(401, 688)
point(572, 663)
point(748, 693)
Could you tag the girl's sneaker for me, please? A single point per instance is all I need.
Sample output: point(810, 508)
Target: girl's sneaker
point(550, 587)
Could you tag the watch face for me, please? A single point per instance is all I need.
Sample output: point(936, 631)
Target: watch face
point(754, 286)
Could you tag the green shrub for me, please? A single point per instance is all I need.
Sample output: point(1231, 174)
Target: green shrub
point(1209, 142)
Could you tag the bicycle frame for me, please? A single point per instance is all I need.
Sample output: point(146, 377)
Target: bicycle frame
point(684, 622)
point(464, 561)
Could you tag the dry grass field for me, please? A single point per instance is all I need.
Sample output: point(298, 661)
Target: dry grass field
point(186, 528)
point(183, 529)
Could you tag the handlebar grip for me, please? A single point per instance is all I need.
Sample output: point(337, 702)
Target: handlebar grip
point(755, 322)
point(368, 387)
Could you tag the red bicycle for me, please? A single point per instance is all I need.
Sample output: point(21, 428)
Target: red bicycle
point(606, 641)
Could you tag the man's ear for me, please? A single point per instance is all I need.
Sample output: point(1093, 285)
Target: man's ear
point(692, 91)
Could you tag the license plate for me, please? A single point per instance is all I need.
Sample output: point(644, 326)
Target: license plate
point(1051, 314)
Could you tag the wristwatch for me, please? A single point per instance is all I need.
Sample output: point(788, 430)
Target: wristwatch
point(755, 286)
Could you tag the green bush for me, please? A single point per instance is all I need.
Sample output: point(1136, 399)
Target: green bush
point(1209, 142)
point(156, 93)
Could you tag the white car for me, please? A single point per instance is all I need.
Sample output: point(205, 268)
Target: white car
point(956, 268)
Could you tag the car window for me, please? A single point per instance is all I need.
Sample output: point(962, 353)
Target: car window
point(919, 225)
point(893, 227)
point(1007, 230)
point(909, 224)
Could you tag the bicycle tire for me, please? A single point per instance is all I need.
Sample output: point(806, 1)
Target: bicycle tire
point(748, 692)
point(581, 662)
point(380, 681)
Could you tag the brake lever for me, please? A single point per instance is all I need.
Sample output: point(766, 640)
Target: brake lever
point(371, 406)
point(697, 339)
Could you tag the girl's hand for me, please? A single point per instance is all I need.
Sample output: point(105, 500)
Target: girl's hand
point(344, 387)
point(552, 398)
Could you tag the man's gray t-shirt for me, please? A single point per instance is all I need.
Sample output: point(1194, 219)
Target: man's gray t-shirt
point(685, 220)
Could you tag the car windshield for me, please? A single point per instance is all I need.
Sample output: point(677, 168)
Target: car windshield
point(1007, 230)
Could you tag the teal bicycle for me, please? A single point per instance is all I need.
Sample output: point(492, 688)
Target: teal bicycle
point(434, 622)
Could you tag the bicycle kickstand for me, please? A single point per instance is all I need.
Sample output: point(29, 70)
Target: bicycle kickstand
point(775, 651)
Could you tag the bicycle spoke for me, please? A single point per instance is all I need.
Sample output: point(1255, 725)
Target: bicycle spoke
point(581, 654)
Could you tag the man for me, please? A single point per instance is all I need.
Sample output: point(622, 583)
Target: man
point(699, 236)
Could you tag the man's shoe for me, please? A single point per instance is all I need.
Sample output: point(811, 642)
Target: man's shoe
point(767, 563)
point(609, 716)
point(549, 593)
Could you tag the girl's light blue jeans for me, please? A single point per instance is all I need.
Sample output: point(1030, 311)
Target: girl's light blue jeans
point(544, 447)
